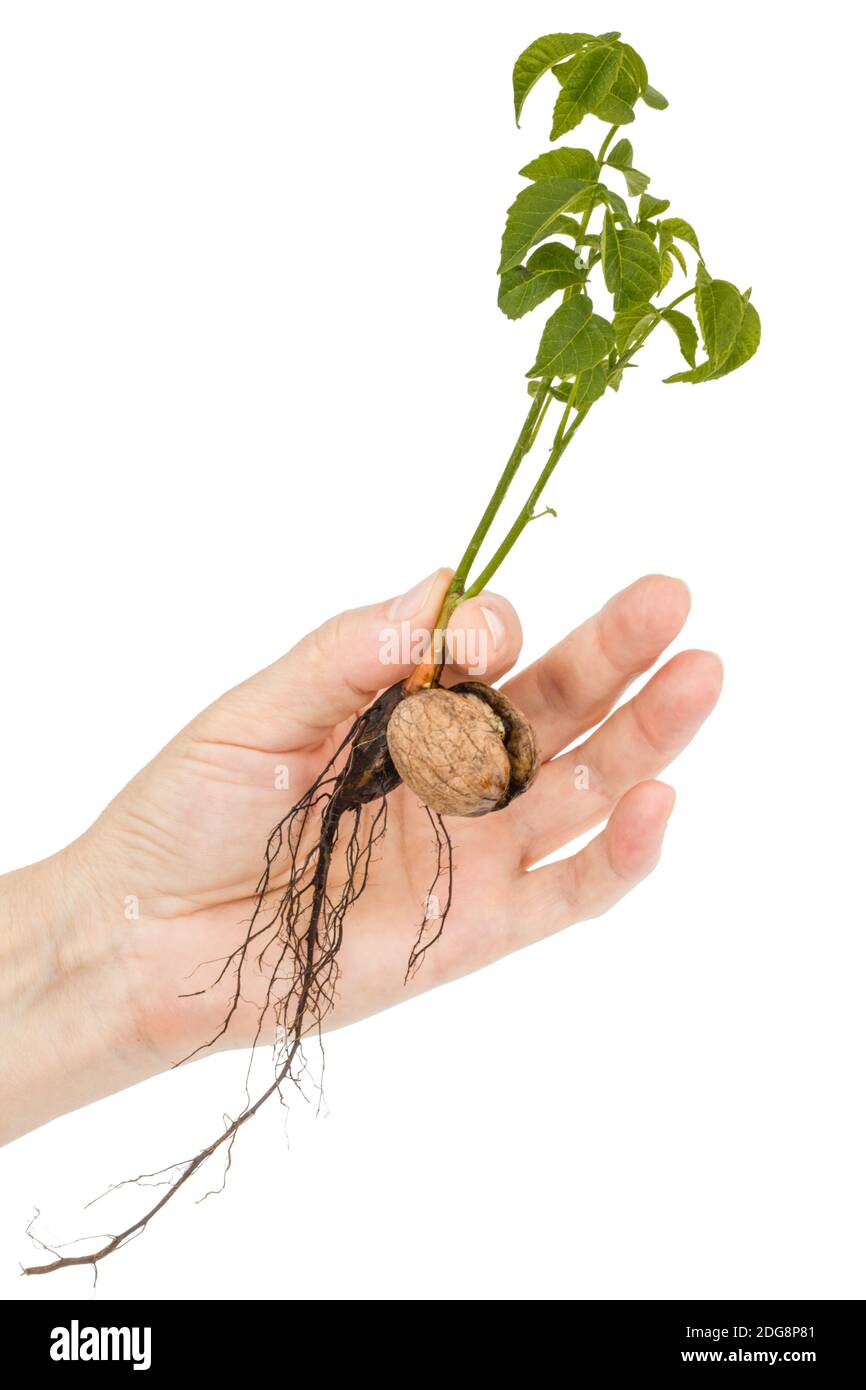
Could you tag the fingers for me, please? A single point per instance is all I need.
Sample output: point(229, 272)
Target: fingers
point(577, 790)
point(484, 639)
point(593, 881)
point(578, 681)
point(340, 667)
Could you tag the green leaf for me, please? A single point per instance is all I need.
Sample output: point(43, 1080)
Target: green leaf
point(682, 230)
point(563, 163)
point(618, 105)
point(687, 334)
point(630, 263)
point(666, 268)
point(574, 339)
point(563, 226)
point(538, 59)
point(615, 381)
point(621, 156)
point(745, 345)
point(674, 250)
point(720, 309)
point(635, 181)
point(667, 249)
point(534, 211)
point(591, 385)
point(628, 322)
point(617, 205)
point(590, 77)
point(694, 377)
point(563, 70)
point(651, 207)
point(613, 110)
point(548, 269)
point(559, 390)
point(655, 99)
point(635, 66)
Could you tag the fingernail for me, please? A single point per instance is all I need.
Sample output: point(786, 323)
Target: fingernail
point(495, 626)
point(414, 602)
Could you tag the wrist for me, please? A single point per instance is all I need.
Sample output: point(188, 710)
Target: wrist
point(30, 927)
point(60, 1005)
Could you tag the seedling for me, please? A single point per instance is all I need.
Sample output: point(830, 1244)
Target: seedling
point(466, 750)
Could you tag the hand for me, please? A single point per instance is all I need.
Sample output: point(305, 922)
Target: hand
point(164, 882)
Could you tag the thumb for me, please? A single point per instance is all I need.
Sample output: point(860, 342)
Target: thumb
point(341, 666)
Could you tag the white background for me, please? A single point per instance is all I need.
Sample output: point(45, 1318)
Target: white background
point(252, 373)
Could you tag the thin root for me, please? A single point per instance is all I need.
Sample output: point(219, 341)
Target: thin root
point(304, 929)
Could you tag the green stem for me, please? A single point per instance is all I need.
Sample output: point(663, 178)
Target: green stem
point(548, 397)
point(605, 145)
point(428, 672)
point(521, 448)
point(686, 294)
point(599, 159)
point(560, 429)
point(527, 511)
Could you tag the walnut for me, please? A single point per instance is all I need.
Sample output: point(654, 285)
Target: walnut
point(464, 751)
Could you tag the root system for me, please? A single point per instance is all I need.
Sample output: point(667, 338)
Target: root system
point(295, 933)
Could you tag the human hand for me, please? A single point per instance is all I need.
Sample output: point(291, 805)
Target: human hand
point(165, 880)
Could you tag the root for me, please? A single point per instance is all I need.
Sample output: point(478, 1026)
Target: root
point(434, 913)
point(300, 934)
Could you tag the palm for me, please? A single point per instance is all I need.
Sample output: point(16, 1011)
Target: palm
point(190, 833)
point(193, 829)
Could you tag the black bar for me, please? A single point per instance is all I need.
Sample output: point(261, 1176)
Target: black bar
point(296, 1338)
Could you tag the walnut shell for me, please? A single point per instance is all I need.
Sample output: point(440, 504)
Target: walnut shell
point(520, 741)
point(464, 751)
